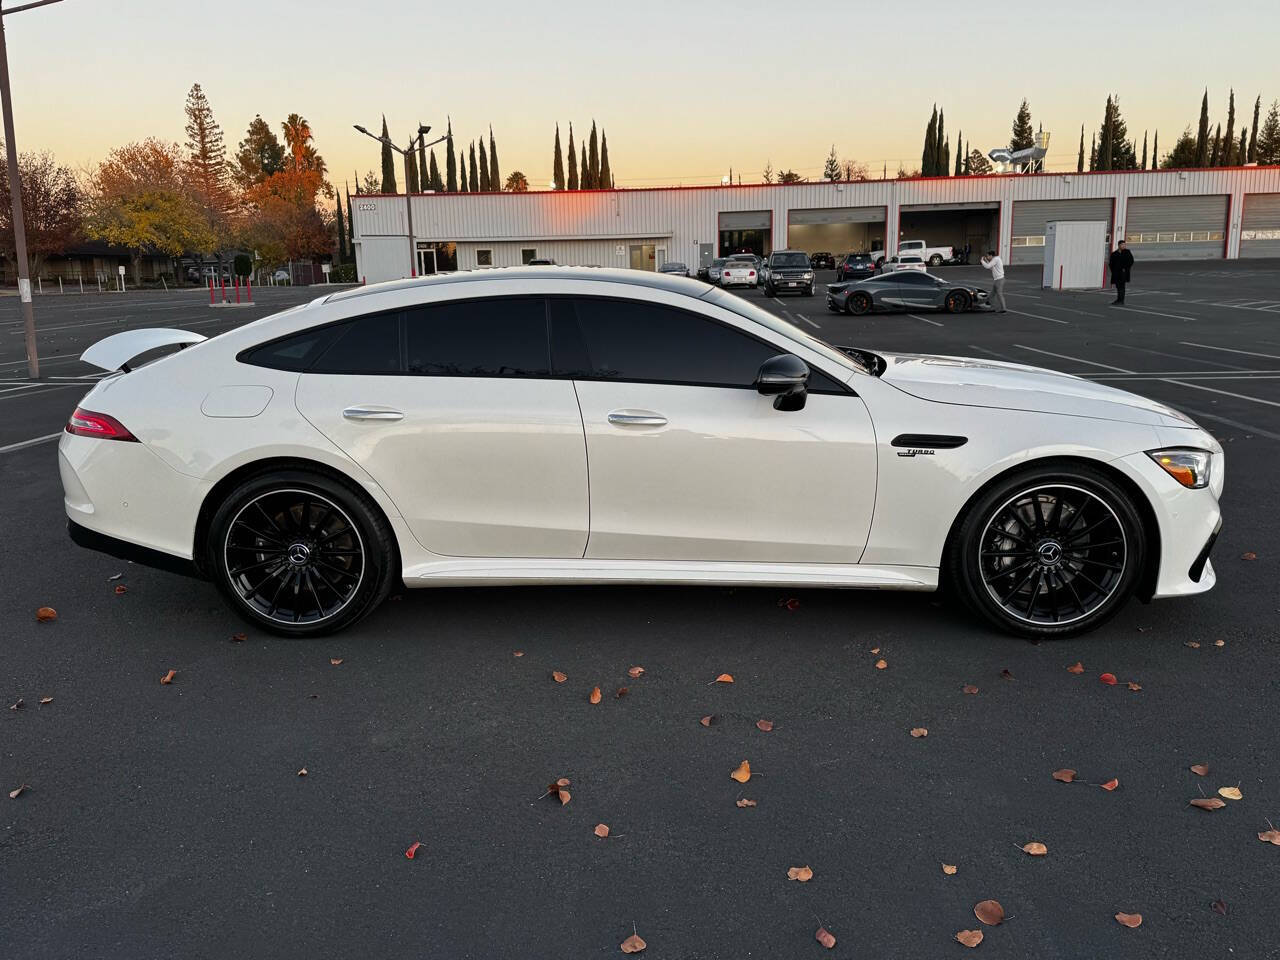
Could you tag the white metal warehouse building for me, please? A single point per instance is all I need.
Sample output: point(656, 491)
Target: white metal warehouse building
point(1176, 214)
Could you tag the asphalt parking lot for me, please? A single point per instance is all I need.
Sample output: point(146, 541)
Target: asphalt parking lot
point(171, 820)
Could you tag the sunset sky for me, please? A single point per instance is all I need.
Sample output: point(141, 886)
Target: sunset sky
point(685, 90)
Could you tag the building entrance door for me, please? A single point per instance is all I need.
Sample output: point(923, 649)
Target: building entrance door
point(426, 259)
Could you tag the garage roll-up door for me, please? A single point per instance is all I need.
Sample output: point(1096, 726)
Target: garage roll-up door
point(835, 215)
point(1260, 225)
point(1030, 216)
point(746, 220)
point(1176, 228)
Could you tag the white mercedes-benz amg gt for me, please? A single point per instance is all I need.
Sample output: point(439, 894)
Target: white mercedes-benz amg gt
point(561, 425)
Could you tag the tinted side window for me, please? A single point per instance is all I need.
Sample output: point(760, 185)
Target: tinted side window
point(292, 353)
point(502, 337)
point(913, 278)
point(369, 345)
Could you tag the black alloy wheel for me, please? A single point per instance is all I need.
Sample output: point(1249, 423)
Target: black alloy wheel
point(957, 301)
point(858, 303)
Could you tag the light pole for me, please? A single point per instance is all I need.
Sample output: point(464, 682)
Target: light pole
point(414, 144)
point(15, 192)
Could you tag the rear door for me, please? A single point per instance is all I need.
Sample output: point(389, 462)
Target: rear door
point(451, 408)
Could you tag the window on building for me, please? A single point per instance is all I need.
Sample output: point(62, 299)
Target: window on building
point(484, 258)
point(527, 254)
point(497, 337)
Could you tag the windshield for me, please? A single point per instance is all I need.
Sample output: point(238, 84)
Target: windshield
point(718, 261)
point(789, 260)
point(673, 265)
point(745, 308)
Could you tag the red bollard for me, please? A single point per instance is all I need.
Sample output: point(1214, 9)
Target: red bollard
point(248, 286)
point(363, 281)
point(222, 282)
point(211, 291)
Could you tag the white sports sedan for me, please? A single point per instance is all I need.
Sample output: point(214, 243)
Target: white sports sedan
point(567, 425)
point(740, 272)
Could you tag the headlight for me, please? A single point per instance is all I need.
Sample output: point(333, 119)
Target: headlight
point(1189, 467)
point(808, 274)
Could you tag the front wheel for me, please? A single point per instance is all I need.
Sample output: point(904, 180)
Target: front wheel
point(1048, 553)
point(957, 301)
point(300, 553)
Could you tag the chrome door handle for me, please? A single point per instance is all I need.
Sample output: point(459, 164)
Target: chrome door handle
point(372, 413)
point(637, 418)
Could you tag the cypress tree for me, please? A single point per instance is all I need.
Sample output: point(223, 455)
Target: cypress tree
point(1080, 158)
point(557, 169)
point(433, 179)
point(1155, 151)
point(1202, 135)
point(1105, 144)
point(411, 172)
point(1093, 153)
point(424, 182)
point(1144, 151)
point(585, 178)
point(1023, 137)
point(573, 163)
point(1215, 147)
point(944, 165)
point(1253, 131)
point(495, 181)
point(485, 186)
point(606, 175)
point(930, 152)
point(462, 179)
point(388, 161)
point(959, 152)
point(1242, 149)
point(351, 224)
point(342, 232)
point(450, 161)
point(594, 165)
point(473, 182)
point(1227, 157)
point(939, 167)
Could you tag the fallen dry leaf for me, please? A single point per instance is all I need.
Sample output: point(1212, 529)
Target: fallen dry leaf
point(880, 664)
point(875, 651)
point(1076, 667)
point(302, 772)
point(970, 938)
point(633, 944)
point(1248, 555)
point(1270, 836)
point(744, 802)
point(919, 732)
point(238, 638)
point(1231, 793)
point(707, 720)
point(595, 695)
point(743, 773)
point(1129, 919)
point(1193, 644)
point(46, 614)
point(413, 849)
point(336, 661)
point(792, 604)
point(825, 938)
point(1066, 776)
point(558, 790)
point(1110, 784)
point(558, 677)
point(1201, 769)
point(989, 912)
point(635, 672)
point(803, 874)
point(765, 725)
point(601, 830)
point(1219, 643)
point(1134, 686)
point(1006, 675)
point(18, 705)
point(724, 678)
point(1208, 803)
point(45, 700)
point(622, 692)
point(1108, 678)
point(1035, 849)
point(517, 653)
point(949, 869)
point(14, 794)
point(968, 688)
point(121, 588)
point(1219, 906)
point(168, 677)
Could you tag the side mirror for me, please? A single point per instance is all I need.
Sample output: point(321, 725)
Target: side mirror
point(784, 378)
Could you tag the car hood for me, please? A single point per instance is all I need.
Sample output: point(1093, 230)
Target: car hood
point(1013, 386)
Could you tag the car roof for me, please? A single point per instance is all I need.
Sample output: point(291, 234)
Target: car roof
point(494, 275)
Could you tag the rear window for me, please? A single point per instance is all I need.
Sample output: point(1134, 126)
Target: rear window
point(857, 257)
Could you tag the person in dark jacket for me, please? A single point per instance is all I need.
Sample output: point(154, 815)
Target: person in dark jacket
point(1121, 265)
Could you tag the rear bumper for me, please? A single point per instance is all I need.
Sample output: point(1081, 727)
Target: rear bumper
point(92, 540)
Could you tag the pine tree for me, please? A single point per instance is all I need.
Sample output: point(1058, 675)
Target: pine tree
point(1202, 136)
point(450, 161)
point(1253, 131)
point(1227, 157)
point(831, 169)
point(930, 152)
point(939, 167)
point(495, 180)
point(411, 172)
point(388, 160)
point(433, 179)
point(462, 175)
point(206, 163)
point(1215, 146)
point(1124, 154)
point(1104, 138)
point(258, 155)
point(1023, 137)
point(485, 186)
point(1144, 151)
point(573, 163)
point(1269, 138)
point(557, 169)
point(606, 174)
point(766, 175)
point(976, 164)
point(473, 182)
point(594, 165)
point(1080, 158)
point(1183, 154)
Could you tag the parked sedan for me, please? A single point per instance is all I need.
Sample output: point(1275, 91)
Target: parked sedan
point(904, 263)
point(904, 290)
point(674, 267)
point(713, 271)
point(570, 425)
point(855, 266)
point(740, 271)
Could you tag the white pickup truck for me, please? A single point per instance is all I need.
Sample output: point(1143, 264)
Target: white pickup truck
point(933, 256)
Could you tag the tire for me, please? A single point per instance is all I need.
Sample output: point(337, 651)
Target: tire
point(956, 301)
point(935, 261)
point(808, 291)
point(300, 554)
point(858, 304)
point(1049, 552)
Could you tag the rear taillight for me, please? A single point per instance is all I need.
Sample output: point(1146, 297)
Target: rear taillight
point(751, 273)
point(86, 423)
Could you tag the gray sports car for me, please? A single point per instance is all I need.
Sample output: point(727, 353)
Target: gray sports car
point(904, 290)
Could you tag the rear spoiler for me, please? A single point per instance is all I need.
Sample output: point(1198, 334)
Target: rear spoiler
point(115, 352)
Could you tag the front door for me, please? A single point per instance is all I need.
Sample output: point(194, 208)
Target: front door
point(426, 259)
point(916, 290)
point(451, 409)
point(689, 462)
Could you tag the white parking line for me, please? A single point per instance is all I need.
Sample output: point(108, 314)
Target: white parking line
point(1154, 313)
point(1036, 316)
point(1176, 356)
point(23, 444)
point(808, 321)
point(1247, 353)
point(926, 320)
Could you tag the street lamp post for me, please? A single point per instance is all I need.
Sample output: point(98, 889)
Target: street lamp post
point(15, 192)
point(414, 144)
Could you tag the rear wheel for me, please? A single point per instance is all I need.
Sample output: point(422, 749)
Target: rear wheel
point(935, 260)
point(858, 303)
point(1050, 552)
point(299, 553)
point(957, 301)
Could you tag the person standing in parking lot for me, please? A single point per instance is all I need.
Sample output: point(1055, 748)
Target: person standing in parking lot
point(1121, 264)
point(996, 266)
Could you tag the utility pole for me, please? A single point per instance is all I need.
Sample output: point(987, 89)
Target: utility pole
point(15, 191)
point(415, 144)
